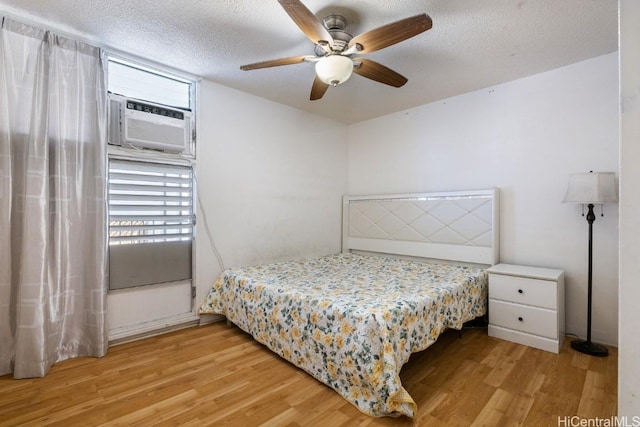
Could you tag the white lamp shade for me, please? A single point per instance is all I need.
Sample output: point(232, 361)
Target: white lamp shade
point(591, 187)
point(334, 69)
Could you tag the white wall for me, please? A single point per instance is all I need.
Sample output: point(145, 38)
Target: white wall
point(629, 350)
point(524, 137)
point(270, 180)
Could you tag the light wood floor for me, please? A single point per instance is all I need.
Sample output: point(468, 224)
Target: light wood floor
point(217, 375)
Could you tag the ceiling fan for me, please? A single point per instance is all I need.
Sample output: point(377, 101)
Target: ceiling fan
point(335, 48)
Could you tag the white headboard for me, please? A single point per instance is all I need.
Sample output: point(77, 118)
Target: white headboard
point(454, 226)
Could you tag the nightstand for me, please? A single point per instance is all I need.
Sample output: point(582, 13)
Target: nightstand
point(526, 305)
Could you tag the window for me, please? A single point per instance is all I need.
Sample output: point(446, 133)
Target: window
point(150, 191)
point(150, 223)
point(128, 79)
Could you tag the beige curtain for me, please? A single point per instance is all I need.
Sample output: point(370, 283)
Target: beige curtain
point(52, 200)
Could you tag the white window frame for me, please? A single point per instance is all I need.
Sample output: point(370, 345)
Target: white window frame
point(130, 154)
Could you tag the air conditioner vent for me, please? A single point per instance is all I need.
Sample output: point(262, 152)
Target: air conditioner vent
point(154, 109)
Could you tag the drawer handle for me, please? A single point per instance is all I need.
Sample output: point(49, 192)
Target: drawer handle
point(520, 291)
point(520, 319)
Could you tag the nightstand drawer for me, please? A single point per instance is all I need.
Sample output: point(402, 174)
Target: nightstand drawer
point(522, 290)
point(533, 320)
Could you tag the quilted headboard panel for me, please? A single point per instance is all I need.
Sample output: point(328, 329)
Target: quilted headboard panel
point(456, 226)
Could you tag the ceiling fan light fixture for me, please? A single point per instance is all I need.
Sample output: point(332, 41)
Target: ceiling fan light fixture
point(333, 48)
point(334, 69)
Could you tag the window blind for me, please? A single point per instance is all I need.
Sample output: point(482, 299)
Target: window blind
point(135, 81)
point(149, 202)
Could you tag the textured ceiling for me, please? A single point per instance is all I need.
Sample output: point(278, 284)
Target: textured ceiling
point(473, 43)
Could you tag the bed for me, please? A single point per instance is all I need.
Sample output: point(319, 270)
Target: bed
point(412, 266)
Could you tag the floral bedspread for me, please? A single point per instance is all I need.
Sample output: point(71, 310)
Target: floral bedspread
point(349, 320)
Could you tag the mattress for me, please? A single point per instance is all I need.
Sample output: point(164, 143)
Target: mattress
point(351, 321)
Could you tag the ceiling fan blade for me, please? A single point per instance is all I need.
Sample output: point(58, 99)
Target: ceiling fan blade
point(318, 89)
point(275, 62)
point(391, 34)
point(378, 72)
point(310, 25)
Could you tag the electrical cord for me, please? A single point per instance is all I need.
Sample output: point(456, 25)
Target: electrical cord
point(212, 242)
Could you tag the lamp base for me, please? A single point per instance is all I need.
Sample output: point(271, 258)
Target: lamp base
point(587, 347)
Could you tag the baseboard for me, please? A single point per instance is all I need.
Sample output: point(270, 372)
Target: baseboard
point(155, 327)
point(206, 319)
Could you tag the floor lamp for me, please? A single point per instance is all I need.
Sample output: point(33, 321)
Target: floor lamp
point(593, 188)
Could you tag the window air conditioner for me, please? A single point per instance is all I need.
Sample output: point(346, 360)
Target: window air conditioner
point(143, 124)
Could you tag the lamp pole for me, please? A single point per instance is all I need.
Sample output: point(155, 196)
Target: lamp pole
point(590, 218)
point(587, 346)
